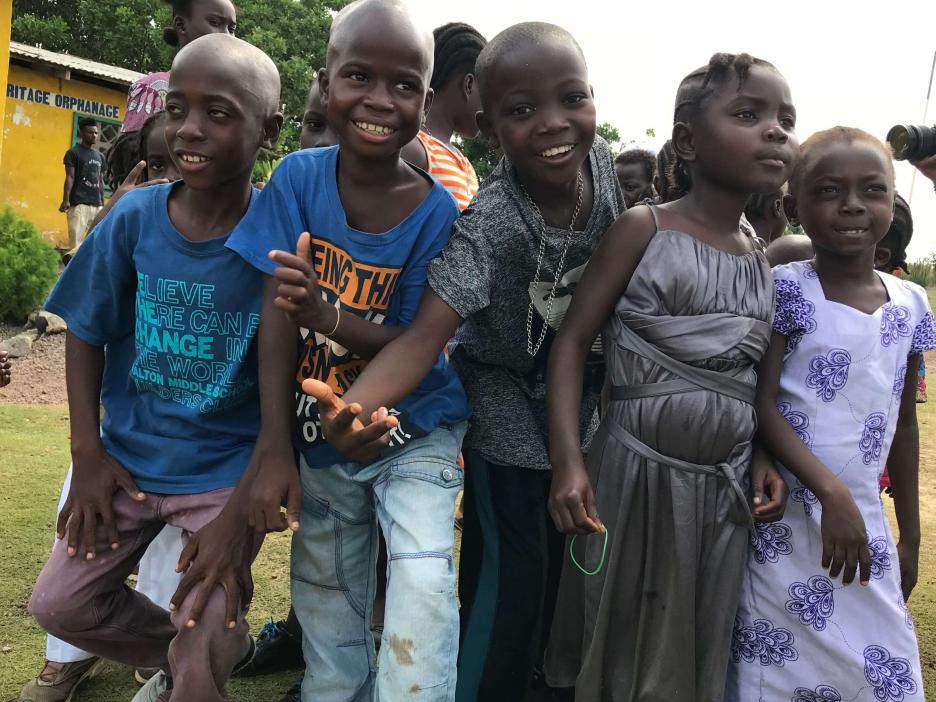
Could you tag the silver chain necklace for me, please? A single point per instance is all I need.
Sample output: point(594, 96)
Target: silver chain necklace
point(580, 185)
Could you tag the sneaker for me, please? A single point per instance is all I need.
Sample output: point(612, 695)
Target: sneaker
point(294, 694)
point(142, 675)
point(277, 650)
point(153, 688)
point(58, 681)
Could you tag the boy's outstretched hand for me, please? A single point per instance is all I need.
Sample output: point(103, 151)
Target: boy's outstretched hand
point(220, 553)
point(298, 294)
point(95, 478)
point(344, 430)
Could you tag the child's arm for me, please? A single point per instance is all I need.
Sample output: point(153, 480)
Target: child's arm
point(844, 538)
point(903, 463)
point(222, 550)
point(571, 499)
point(69, 183)
point(770, 491)
point(97, 476)
point(392, 375)
point(299, 297)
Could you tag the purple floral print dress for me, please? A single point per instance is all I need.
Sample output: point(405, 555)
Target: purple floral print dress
point(799, 635)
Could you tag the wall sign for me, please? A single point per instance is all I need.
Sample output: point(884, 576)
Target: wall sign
point(66, 102)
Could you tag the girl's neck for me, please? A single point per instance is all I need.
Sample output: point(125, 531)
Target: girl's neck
point(837, 271)
point(440, 124)
point(715, 207)
point(207, 214)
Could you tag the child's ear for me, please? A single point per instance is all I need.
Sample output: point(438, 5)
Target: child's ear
point(178, 24)
point(591, 89)
point(271, 130)
point(789, 209)
point(487, 129)
point(683, 142)
point(323, 83)
point(430, 93)
point(882, 256)
point(468, 86)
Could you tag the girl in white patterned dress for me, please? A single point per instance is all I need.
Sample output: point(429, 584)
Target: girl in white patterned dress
point(835, 403)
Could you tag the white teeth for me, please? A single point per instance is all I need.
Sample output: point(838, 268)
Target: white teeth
point(556, 150)
point(193, 158)
point(374, 128)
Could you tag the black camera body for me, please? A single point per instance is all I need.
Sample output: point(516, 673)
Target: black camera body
point(912, 142)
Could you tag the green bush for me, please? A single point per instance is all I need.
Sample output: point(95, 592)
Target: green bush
point(923, 272)
point(28, 267)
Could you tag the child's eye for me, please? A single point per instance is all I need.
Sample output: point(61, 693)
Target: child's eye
point(357, 77)
point(217, 112)
point(788, 122)
point(406, 85)
point(521, 110)
point(877, 188)
point(575, 99)
point(314, 124)
point(746, 114)
point(826, 189)
point(173, 110)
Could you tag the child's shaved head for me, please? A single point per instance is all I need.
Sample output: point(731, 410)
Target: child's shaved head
point(377, 19)
point(243, 64)
point(513, 38)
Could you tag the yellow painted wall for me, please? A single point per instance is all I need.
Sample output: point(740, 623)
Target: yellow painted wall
point(35, 139)
point(6, 19)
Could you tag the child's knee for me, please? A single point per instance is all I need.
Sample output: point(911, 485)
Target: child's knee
point(212, 615)
point(58, 613)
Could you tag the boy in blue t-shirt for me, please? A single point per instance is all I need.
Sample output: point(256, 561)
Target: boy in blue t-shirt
point(375, 224)
point(162, 319)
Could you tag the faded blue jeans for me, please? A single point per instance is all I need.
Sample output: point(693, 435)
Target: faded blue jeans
point(412, 494)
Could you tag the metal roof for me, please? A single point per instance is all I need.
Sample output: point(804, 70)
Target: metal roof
point(73, 63)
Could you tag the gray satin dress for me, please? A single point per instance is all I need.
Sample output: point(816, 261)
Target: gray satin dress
point(669, 465)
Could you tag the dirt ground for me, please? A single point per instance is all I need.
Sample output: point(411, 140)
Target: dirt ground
point(39, 378)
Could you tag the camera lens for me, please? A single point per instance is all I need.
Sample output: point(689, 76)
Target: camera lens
point(912, 142)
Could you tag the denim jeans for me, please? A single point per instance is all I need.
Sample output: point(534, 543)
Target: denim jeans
point(412, 494)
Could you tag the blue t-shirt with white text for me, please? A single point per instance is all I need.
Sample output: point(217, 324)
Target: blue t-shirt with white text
point(177, 320)
point(380, 277)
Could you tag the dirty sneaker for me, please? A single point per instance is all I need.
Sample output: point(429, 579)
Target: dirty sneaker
point(153, 688)
point(277, 650)
point(58, 681)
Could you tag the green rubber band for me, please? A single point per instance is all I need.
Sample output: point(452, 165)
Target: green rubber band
point(604, 551)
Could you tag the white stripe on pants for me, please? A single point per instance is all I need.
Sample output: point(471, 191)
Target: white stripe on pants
point(157, 579)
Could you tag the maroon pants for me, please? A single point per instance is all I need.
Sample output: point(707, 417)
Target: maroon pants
point(88, 604)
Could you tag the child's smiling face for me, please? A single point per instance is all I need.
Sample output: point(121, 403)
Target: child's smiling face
point(376, 86)
point(538, 108)
point(845, 196)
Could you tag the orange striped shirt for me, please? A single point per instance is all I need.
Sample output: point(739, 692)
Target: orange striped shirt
point(449, 166)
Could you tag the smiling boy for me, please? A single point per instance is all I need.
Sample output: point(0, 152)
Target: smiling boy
point(375, 223)
point(161, 322)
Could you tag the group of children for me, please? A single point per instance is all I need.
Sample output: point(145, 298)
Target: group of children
point(322, 344)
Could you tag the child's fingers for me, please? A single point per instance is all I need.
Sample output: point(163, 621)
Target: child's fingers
point(291, 276)
point(864, 564)
point(201, 601)
point(851, 565)
point(231, 600)
point(303, 245)
point(326, 397)
point(838, 561)
point(72, 530)
point(110, 526)
point(293, 293)
point(134, 175)
point(288, 260)
point(828, 549)
point(343, 420)
point(128, 486)
point(284, 305)
point(62, 519)
point(187, 555)
point(89, 533)
point(294, 505)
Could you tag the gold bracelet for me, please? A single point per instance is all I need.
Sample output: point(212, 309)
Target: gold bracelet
point(337, 321)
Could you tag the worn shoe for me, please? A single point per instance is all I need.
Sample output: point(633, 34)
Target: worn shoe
point(142, 675)
point(153, 688)
point(58, 681)
point(277, 650)
point(294, 694)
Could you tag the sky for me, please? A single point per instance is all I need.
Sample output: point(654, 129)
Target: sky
point(855, 63)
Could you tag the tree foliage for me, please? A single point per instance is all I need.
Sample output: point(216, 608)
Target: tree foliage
point(128, 33)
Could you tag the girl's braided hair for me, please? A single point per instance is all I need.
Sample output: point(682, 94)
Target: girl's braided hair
point(457, 46)
point(702, 84)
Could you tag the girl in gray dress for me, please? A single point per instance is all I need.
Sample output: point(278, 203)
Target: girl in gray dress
point(684, 303)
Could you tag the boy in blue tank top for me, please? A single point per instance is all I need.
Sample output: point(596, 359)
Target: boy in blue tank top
point(162, 320)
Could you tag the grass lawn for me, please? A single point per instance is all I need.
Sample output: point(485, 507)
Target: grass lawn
point(34, 450)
